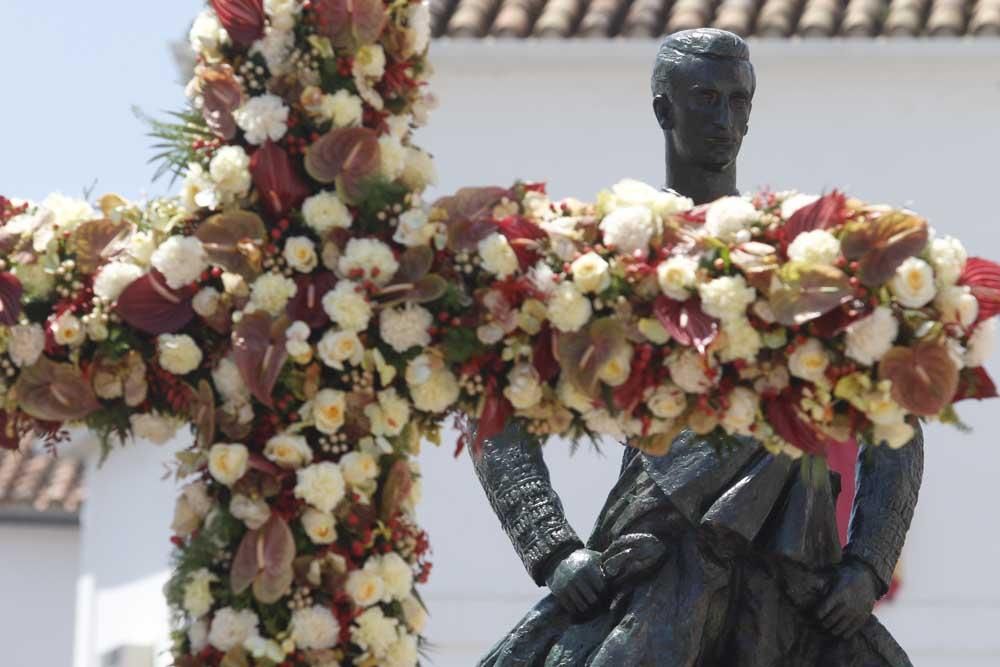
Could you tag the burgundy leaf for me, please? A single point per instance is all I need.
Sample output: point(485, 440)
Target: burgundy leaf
point(260, 353)
point(222, 95)
point(242, 19)
point(975, 383)
point(686, 322)
point(397, 488)
point(839, 319)
point(348, 155)
point(582, 354)
point(150, 306)
point(543, 356)
point(10, 299)
point(414, 264)
point(983, 276)
point(497, 411)
point(307, 304)
point(245, 566)
point(277, 551)
point(94, 241)
point(468, 214)
point(924, 377)
point(801, 293)
point(784, 418)
point(275, 178)
point(55, 392)
point(827, 212)
point(882, 244)
point(344, 21)
point(234, 240)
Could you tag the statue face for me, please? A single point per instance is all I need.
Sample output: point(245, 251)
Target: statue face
point(708, 111)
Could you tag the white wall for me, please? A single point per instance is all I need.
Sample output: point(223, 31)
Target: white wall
point(37, 593)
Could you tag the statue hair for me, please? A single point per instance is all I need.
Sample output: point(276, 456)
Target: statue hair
point(697, 43)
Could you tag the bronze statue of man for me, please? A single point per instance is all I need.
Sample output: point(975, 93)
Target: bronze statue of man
point(719, 553)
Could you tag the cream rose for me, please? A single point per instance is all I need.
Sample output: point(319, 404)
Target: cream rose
point(677, 276)
point(228, 463)
point(524, 388)
point(390, 415)
point(178, 353)
point(365, 587)
point(68, 330)
point(957, 305)
point(688, 371)
point(667, 401)
point(288, 451)
point(913, 285)
point(329, 407)
point(337, 348)
point(321, 527)
point(568, 309)
point(396, 574)
point(809, 361)
point(870, 338)
point(497, 256)
point(321, 485)
point(591, 273)
point(438, 393)
point(300, 253)
point(616, 370)
point(254, 512)
point(358, 468)
point(948, 257)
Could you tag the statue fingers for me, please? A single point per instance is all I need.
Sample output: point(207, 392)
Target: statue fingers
point(842, 625)
point(830, 604)
point(587, 593)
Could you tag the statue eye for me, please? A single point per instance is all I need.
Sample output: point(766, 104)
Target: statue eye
point(707, 96)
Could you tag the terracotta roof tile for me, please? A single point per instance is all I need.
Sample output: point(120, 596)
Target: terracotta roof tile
point(40, 483)
point(767, 18)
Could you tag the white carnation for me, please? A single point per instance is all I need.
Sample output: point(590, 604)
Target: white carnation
point(727, 298)
point(337, 348)
point(816, 247)
point(276, 48)
point(156, 428)
point(314, 628)
point(497, 256)
point(206, 301)
point(397, 575)
point(300, 253)
point(957, 305)
point(981, 343)
point(198, 635)
point(630, 192)
point(419, 170)
point(368, 259)
point(809, 361)
point(329, 410)
point(869, 339)
point(228, 463)
point(438, 393)
point(254, 512)
point(404, 652)
point(198, 592)
point(629, 230)
point(667, 401)
point(113, 278)
point(263, 118)
point(688, 371)
point(677, 276)
point(181, 260)
point(347, 306)
point(271, 291)
point(406, 327)
point(568, 309)
point(729, 219)
point(742, 340)
point(374, 632)
point(742, 411)
point(289, 451)
point(230, 171)
point(369, 61)
point(321, 485)
point(342, 108)
point(141, 246)
point(178, 353)
point(231, 628)
point(229, 382)
point(524, 388)
point(392, 157)
point(948, 257)
point(207, 34)
point(591, 273)
point(913, 285)
point(25, 344)
point(324, 211)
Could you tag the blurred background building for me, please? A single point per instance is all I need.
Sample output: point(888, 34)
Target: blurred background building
point(894, 101)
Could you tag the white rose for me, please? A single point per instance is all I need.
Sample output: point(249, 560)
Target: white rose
point(339, 347)
point(178, 353)
point(688, 371)
point(414, 229)
point(948, 257)
point(667, 401)
point(392, 157)
point(25, 345)
point(742, 341)
point(300, 253)
point(568, 309)
point(816, 247)
point(981, 343)
point(288, 451)
point(894, 435)
point(229, 382)
point(797, 201)
point(198, 592)
point(68, 330)
point(374, 632)
point(234, 285)
point(207, 34)
point(591, 273)
point(365, 587)
point(321, 485)
point(570, 396)
point(497, 256)
point(141, 246)
point(347, 306)
point(230, 171)
point(414, 614)
point(742, 411)
point(263, 118)
point(602, 422)
point(390, 415)
point(419, 170)
point(629, 192)
point(230, 628)
point(368, 259)
point(358, 468)
point(913, 284)
point(870, 338)
point(616, 370)
point(314, 628)
point(325, 211)
point(809, 361)
point(406, 327)
point(192, 506)
point(156, 428)
point(729, 218)
point(404, 652)
point(438, 393)
point(206, 301)
point(957, 305)
point(181, 260)
point(677, 277)
point(113, 278)
point(271, 291)
point(321, 527)
point(524, 389)
point(228, 463)
point(629, 230)
point(397, 575)
point(342, 108)
point(269, 649)
point(727, 298)
point(253, 512)
point(329, 408)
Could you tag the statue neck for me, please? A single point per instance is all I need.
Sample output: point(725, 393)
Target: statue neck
point(694, 181)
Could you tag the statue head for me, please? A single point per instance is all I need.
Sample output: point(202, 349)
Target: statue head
point(703, 85)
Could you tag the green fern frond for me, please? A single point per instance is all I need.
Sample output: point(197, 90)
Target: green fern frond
point(175, 140)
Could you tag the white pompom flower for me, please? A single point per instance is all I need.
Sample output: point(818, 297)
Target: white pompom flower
point(497, 256)
point(227, 463)
point(178, 353)
point(113, 278)
point(406, 327)
point(815, 247)
point(629, 230)
point(231, 628)
point(181, 260)
point(325, 211)
point(729, 219)
point(870, 338)
point(314, 628)
point(263, 118)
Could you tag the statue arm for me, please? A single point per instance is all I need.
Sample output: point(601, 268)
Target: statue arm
point(888, 483)
point(516, 480)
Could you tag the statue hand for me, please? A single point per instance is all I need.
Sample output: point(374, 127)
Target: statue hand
point(578, 582)
point(632, 556)
point(850, 600)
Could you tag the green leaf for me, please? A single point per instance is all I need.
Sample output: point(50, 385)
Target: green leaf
point(461, 344)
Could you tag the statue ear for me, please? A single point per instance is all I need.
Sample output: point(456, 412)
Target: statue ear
point(663, 111)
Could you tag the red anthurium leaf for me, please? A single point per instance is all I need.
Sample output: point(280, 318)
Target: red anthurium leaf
point(348, 155)
point(497, 411)
point(882, 244)
point(10, 299)
point(686, 322)
point(543, 356)
point(280, 187)
point(787, 422)
point(150, 306)
point(242, 19)
point(307, 304)
point(924, 377)
point(397, 488)
point(414, 264)
point(203, 415)
point(983, 276)
point(94, 241)
point(234, 240)
point(826, 212)
point(468, 214)
point(975, 383)
point(276, 553)
point(260, 353)
point(55, 392)
point(222, 95)
point(245, 564)
point(582, 354)
point(802, 292)
point(344, 20)
point(522, 235)
point(839, 319)
point(628, 395)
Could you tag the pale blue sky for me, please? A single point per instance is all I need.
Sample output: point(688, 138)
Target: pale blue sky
point(70, 73)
